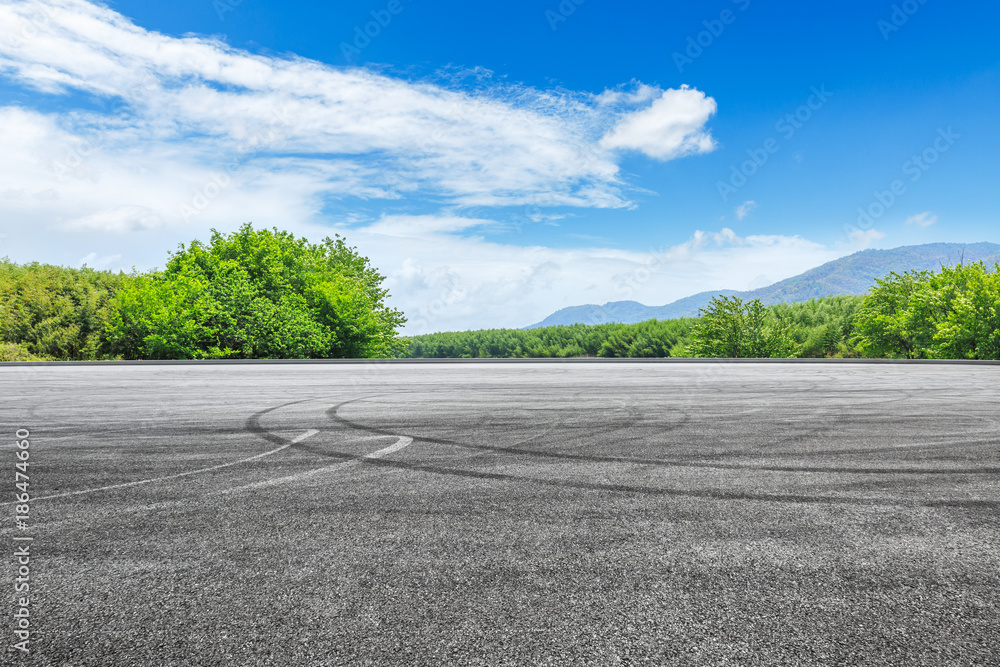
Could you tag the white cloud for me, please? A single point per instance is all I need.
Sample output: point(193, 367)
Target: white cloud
point(744, 209)
point(637, 94)
point(925, 219)
point(671, 127)
point(447, 282)
point(421, 226)
point(725, 236)
point(215, 104)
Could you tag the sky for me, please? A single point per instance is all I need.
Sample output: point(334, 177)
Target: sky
point(499, 161)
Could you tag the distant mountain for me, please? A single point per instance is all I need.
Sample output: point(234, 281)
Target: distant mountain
point(853, 274)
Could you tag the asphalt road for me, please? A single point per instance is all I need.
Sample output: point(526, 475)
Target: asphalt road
point(506, 514)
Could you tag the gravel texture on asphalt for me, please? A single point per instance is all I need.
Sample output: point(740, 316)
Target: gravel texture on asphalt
point(507, 514)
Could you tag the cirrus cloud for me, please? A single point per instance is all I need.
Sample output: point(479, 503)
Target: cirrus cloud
point(497, 146)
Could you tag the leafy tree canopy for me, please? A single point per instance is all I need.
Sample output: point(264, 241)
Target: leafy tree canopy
point(817, 328)
point(950, 314)
point(821, 327)
point(256, 294)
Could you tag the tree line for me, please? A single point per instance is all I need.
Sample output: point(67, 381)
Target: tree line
point(953, 313)
point(654, 338)
point(267, 294)
point(728, 327)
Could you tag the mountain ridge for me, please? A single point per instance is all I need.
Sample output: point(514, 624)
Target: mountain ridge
point(853, 274)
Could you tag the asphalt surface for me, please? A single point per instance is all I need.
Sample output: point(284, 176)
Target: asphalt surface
point(506, 514)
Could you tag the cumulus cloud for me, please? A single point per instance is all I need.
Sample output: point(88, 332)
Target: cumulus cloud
point(925, 219)
point(671, 127)
point(743, 210)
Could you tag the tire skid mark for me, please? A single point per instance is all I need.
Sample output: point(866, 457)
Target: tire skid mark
point(620, 488)
point(253, 422)
point(656, 491)
point(401, 442)
point(123, 485)
point(334, 413)
point(283, 444)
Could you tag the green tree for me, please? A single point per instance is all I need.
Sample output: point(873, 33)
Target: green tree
point(256, 294)
point(153, 317)
point(18, 352)
point(969, 327)
point(950, 314)
point(895, 317)
point(646, 339)
point(733, 329)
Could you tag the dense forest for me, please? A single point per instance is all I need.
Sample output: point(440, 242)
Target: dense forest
point(250, 294)
point(51, 312)
point(646, 339)
point(821, 327)
point(266, 294)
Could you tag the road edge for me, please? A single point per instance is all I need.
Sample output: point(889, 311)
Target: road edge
point(571, 360)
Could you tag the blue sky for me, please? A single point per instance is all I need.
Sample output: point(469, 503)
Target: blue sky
point(500, 161)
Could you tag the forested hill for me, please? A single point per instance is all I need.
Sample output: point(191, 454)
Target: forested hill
point(853, 275)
